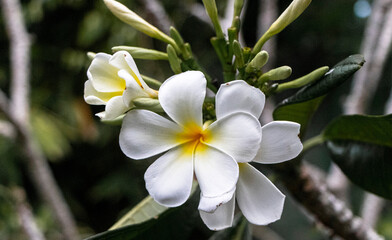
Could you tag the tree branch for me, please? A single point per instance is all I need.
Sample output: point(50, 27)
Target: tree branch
point(25, 216)
point(317, 199)
point(17, 112)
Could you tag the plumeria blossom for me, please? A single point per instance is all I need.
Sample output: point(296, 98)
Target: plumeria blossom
point(209, 151)
point(257, 197)
point(114, 81)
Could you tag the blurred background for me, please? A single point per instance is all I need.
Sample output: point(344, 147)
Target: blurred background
point(98, 182)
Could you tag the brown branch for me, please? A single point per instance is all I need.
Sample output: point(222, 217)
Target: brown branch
point(25, 216)
point(17, 112)
point(314, 195)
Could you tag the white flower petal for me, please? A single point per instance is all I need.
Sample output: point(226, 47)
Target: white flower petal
point(238, 96)
point(169, 178)
point(216, 172)
point(115, 108)
point(124, 61)
point(144, 134)
point(91, 96)
point(103, 76)
point(237, 134)
point(210, 204)
point(220, 219)
point(133, 90)
point(257, 197)
point(280, 142)
point(182, 97)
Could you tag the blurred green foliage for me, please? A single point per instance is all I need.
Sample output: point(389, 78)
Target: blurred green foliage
point(97, 180)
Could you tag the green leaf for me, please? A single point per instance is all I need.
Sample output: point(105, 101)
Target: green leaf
point(301, 106)
point(144, 211)
point(362, 147)
point(299, 112)
point(149, 220)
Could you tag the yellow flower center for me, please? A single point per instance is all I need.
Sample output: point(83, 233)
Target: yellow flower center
point(194, 135)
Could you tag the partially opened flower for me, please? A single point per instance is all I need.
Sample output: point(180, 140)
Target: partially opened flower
point(114, 81)
point(209, 152)
point(257, 197)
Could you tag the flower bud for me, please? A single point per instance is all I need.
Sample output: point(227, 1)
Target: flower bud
point(239, 57)
point(257, 62)
point(148, 104)
point(142, 53)
point(175, 62)
point(305, 80)
point(291, 13)
point(135, 21)
point(212, 12)
point(279, 73)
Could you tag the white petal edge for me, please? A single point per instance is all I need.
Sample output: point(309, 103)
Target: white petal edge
point(238, 96)
point(237, 134)
point(115, 108)
point(280, 142)
point(182, 97)
point(220, 219)
point(210, 204)
point(169, 179)
point(124, 61)
point(216, 172)
point(91, 96)
point(103, 76)
point(145, 134)
point(257, 197)
point(133, 89)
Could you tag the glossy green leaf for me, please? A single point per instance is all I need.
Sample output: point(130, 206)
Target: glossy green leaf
point(149, 220)
point(301, 106)
point(362, 147)
point(144, 211)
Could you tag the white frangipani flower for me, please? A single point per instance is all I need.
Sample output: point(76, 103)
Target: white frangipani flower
point(115, 81)
point(257, 197)
point(209, 152)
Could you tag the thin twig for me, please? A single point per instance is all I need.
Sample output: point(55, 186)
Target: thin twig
point(25, 215)
point(17, 112)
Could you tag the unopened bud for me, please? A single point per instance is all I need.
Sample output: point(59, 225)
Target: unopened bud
point(296, 8)
point(142, 53)
point(239, 57)
point(174, 61)
point(279, 73)
point(151, 104)
point(212, 12)
point(134, 20)
point(257, 62)
point(305, 80)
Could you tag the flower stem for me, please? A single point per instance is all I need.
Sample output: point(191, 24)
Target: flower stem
point(312, 142)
